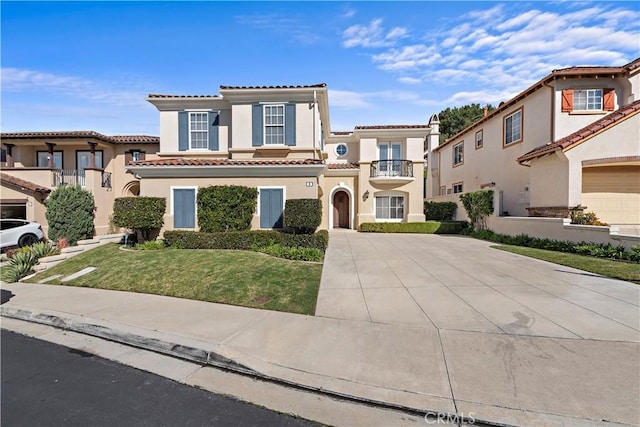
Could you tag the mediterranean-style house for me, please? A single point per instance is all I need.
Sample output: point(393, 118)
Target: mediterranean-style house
point(278, 139)
point(571, 139)
point(34, 163)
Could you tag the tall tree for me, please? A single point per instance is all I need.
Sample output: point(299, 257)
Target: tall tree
point(453, 120)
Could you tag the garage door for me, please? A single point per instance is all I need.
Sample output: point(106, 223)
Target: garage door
point(13, 208)
point(613, 193)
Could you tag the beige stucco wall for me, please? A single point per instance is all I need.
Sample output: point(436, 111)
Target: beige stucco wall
point(169, 132)
point(295, 188)
point(353, 151)
point(495, 163)
point(549, 183)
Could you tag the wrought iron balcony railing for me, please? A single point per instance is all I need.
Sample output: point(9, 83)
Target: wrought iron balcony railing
point(391, 168)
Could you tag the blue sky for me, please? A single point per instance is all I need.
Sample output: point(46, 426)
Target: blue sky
point(90, 65)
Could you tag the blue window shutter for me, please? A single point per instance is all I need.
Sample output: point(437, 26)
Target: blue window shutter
point(271, 210)
point(257, 126)
point(184, 209)
point(214, 119)
point(183, 131)
point(290, 124)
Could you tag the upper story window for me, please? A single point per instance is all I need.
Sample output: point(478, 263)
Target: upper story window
point(588, 100)
point(513, 128)
point(458, 154)
point(198, 134)
point(43, 159)
point(479, 139)
point(341, 150)
point(274, 124)
point(135, 156)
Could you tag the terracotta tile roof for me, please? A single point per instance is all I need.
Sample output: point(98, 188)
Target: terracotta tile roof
point(393, 127)
point(343, 166)
point(342, 132)
point(21, 183)
point(225, 162)
point(115, 139)
point(585, 133)
point(162, 96)
point(315, 86)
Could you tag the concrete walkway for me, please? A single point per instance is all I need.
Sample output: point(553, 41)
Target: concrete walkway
point(469, 350)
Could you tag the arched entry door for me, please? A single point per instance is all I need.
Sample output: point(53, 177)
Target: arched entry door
point(341, 209)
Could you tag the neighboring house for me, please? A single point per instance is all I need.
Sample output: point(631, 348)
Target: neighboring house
point(570, 139)
point(278, 139)
point(34, 163)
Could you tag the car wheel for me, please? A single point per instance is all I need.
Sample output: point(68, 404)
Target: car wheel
point(27, 240)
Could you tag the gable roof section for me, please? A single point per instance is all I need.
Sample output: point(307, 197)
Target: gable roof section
point(391, 127)
point(315, 86)
point(585, 133)
point(581, 71)
point(225, 162)
point(22, 184)
point(164, 96)
point(80, 134)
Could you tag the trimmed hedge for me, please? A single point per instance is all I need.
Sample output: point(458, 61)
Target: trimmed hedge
point(303, 216)
point(244, 240)
point(440, 211)
point(144, 214)
point(599, 250)
point(226, 207)
point(428, 227)
point(70, 214)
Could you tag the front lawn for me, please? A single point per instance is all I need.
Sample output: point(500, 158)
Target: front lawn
point(243, 278)
point(621, 270)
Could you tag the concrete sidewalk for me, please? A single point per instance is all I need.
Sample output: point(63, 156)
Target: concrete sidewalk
point(496, 377)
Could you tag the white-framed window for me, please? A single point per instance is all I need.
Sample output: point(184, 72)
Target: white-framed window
point(513, 128)
point(43, 159)
point(389, 154)
point(198, 130)
point(457, 188)
point(274, 124)
point(342, 150)
point(135, 156)
point(389, 208)
point(442, 190)
point(479, 139)
point(587, 100)
point(458, 154)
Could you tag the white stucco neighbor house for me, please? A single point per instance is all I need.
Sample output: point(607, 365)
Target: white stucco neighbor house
point(278, 139)
point(572, 138)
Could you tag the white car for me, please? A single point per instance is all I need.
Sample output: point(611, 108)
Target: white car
point(18, 232)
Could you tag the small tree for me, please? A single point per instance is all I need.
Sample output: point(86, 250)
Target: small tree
point(303, 216)
point(70, 214)
point(479, 205)
point(226, 207)
point(143, 215)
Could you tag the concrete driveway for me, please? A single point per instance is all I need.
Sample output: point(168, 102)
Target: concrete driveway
point(461, 284)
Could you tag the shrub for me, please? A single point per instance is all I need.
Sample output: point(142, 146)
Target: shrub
point(244, 240)
point(580, 217)
point(141, 214)
point(70, 213)
point(226, 208)
point(21, 262)
point(298, 254)
point(440, 211)
point(428, 227)
point(479, 205)
point(303, 216)
point(151, 245)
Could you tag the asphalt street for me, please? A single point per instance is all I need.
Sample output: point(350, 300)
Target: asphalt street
point(44, 384)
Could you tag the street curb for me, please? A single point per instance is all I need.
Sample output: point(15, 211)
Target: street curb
point(211, 358)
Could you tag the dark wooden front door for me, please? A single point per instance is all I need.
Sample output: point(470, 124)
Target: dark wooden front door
point(341, 210)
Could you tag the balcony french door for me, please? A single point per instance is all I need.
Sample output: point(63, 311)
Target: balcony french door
point(390, 155)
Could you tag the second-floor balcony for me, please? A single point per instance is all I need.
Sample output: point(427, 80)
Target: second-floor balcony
point(51, 178)
point(391, 171)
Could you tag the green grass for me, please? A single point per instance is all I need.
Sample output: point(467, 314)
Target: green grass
point(621, 270)
point(245, 278)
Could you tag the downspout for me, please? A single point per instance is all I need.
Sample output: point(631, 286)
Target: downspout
point(552, 112)
point(315, 102)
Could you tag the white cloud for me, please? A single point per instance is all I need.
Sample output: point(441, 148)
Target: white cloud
point(410, 80)
point(347, 99)
point(371, 35)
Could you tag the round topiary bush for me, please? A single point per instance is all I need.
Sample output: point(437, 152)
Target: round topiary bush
point(70, 213)
point(141, 214)
point(303, 216)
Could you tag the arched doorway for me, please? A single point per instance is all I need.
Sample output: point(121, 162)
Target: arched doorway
point(131, 189)
point(341, 209)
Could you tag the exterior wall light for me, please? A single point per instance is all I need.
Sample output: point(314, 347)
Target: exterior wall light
point(365, 196)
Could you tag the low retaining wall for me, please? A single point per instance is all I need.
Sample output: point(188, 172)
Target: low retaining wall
point(560, 229)
point(71, 251)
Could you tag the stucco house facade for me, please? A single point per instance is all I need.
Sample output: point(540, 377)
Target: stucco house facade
point(278, 140)
point(570, 139)
point(34, 163)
